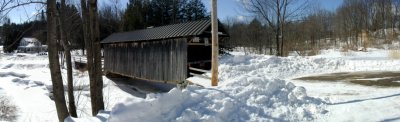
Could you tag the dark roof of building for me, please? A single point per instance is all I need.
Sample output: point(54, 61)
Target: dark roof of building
point(193, 28)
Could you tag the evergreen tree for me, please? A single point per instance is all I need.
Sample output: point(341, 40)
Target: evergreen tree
point(144, 13)
point(11, 33)
point(41, 28)
point(134, 15)
point(73, 26)
point(42, 16)
point(194, 10)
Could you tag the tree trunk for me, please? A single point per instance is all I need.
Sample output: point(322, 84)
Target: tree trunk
point(67, 52)
point(277, 43)
point(94, 60)
point(278, 29)
point(71, 98)
point(281, 37)
point(270, 49)
point(58, 87)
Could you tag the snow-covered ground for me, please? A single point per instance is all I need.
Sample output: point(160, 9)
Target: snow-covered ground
point(251, 88)
point(344, 101)
point(26, 80)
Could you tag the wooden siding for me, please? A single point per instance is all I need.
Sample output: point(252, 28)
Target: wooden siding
point(164, 60)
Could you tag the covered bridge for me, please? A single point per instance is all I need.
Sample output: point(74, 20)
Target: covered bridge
point(162, 53)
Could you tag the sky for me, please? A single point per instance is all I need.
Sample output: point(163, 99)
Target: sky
point(234, 9)
point(226, 9)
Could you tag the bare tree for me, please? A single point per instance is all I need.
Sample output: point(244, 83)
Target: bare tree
point(110, 19)
point(396, 17)
point(92, 44)
point(7, 5)
point(396, 7)
point(277, 13)
point(67, 52)
point(58, 87)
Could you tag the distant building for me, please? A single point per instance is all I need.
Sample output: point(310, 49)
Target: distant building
point(31, 45)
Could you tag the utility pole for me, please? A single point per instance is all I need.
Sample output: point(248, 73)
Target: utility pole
point(214, 36)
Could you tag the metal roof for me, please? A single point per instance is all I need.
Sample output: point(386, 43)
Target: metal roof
point(193, 28)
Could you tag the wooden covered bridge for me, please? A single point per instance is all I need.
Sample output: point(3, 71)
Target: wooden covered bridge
point(166, 53)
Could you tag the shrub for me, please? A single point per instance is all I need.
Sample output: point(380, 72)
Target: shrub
point(394, 54)
point(8, 111)
point(346, 52)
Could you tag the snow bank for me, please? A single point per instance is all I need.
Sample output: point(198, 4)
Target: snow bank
point(275, 67)
point(249, 89)
point(295, 66)
point(246, 98)
point(102, 116)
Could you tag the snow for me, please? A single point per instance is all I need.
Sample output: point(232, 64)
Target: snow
point(251, 88)
point(26, 79)
point(295, 66)
point(30, 45)
point(240, 99)
point(357, 101)
point(17, 83)
point(30, 39)
point(29, 42)
point(101, 117)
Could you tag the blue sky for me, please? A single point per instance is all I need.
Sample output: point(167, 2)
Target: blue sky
point(232, 8)
point(23, 13)
point(226, 8)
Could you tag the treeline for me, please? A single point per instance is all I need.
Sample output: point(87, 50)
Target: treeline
point(145, 13)
point(139, 14)
point(12, 33)
point(313, 29)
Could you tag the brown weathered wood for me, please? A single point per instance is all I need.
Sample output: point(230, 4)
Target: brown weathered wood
point(130, 76)
point(163, 60)
point(200, 44)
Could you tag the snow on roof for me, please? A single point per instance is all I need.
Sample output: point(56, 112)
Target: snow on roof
point(30, 39)
point(30, 45)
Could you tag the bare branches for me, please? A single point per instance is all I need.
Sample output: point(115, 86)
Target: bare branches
point(306, 32)
point(277, 13)
point(7, 5)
